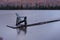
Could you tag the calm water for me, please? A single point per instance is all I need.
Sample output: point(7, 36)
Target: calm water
point(49, 31)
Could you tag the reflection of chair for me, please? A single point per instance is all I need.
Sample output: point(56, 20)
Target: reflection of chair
point(1, 38)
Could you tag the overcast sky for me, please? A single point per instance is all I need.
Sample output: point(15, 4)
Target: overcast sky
point(49, 31)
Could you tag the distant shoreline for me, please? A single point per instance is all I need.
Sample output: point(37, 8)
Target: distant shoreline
point(29, 8)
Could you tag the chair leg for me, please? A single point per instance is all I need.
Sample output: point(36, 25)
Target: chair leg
point(25, 22)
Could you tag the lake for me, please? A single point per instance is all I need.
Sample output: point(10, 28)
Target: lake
point(49, 31)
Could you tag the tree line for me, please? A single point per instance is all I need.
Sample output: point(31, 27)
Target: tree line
point(27, 6)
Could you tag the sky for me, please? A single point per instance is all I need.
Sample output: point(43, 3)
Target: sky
point(49, 31)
